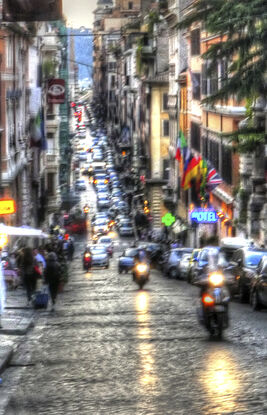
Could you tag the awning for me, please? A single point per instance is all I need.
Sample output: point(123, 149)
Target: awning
point(221, 194)
point(22, 231)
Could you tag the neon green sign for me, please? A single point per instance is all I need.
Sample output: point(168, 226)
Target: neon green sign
point(168, 219)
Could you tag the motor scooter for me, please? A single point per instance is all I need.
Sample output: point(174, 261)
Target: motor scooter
point(141, 274)
point(213, 303)
point(87, 261)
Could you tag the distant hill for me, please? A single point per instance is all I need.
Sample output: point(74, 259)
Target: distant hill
point(83, 52)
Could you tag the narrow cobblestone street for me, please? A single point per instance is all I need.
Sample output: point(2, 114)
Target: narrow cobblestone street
point(110, 348)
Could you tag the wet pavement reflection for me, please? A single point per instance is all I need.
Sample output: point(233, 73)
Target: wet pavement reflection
point(113, 349)
point(146, 350)
point(222, 381)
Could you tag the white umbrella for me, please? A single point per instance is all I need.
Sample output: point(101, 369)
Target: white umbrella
point(22, 231)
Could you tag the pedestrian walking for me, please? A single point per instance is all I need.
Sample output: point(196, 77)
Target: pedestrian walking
point(29, 272)
point(52, 277)
point(70, 249)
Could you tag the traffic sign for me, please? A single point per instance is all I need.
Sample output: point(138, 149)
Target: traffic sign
point(7, 206)
point(168, 219)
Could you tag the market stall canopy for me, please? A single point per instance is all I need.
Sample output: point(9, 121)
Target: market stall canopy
point(22, 231)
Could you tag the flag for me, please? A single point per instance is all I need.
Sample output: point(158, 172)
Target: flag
point(181, 146)
point(192, 172)
point(203, 176)
point(213, 177)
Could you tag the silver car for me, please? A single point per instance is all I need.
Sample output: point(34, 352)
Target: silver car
point(100, 256)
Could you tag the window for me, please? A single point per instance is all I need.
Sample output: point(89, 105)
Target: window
point(209, 83)
point(204, 79)
point(130, 5)
point(165, 128)
point(112, 81)
point(112, 66)
point(195, 136)
point(195, 85)
point(214, 81)
point(9, 58)
point(195, 42)
point(213, 154)
point(50, 184)
point(227, 164)
point(166, 169)
point(165, 102)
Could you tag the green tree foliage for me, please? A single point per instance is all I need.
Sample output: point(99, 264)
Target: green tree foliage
point(242, 26)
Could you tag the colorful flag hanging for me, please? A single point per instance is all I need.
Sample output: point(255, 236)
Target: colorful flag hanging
point(191, 172)
point(213, 178)
point(181, 146)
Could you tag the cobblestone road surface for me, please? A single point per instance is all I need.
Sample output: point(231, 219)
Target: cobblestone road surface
point(112, 349)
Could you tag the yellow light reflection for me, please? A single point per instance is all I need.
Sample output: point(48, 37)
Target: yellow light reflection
point(148, 377)
point(222, 381)
point(112, 234)
point(88, 275)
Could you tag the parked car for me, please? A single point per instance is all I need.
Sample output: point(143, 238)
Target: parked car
point(242, 269)
point(172, 260)
point(206, 260)
point(108, 243)
point(80, 185)
point(193, 259)
point(258, 288)
point(183, 266)
point(126, 260)
point(100, 256)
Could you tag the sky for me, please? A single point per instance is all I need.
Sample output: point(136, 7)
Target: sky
point(81, 15)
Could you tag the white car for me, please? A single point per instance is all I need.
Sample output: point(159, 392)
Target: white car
point(100, 256)
point(80, 184)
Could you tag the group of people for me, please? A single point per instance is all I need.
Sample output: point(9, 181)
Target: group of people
point(39, 266)
point(43, 266)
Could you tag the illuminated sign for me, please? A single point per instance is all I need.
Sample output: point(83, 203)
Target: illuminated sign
point(203, 216)
point(7, 206)
point(56, 91)
point(168, 219)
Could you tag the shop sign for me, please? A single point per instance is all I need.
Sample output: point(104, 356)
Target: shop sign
point(203, 216)
point(7, 206)
point(56, 91)
point(168, 219)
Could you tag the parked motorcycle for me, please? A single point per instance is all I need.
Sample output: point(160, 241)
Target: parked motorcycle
point(213, 303)
point(87, 261)
point(141, 274)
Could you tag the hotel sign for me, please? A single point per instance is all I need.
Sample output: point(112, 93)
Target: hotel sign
point(203, 216)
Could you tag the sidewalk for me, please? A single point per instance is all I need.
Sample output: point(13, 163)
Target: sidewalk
point(16, 321)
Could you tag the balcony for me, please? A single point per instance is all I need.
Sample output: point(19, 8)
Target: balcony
point(52, 159)
point(52, 121)
point(169, 198)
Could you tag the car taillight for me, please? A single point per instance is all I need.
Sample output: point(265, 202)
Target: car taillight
point(106, 181)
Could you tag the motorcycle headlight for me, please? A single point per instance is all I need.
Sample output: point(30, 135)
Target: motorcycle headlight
point(216, 279)
point(140, 268)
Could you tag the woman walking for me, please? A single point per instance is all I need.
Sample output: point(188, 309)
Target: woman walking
point(28, 272)
point(52, 277)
